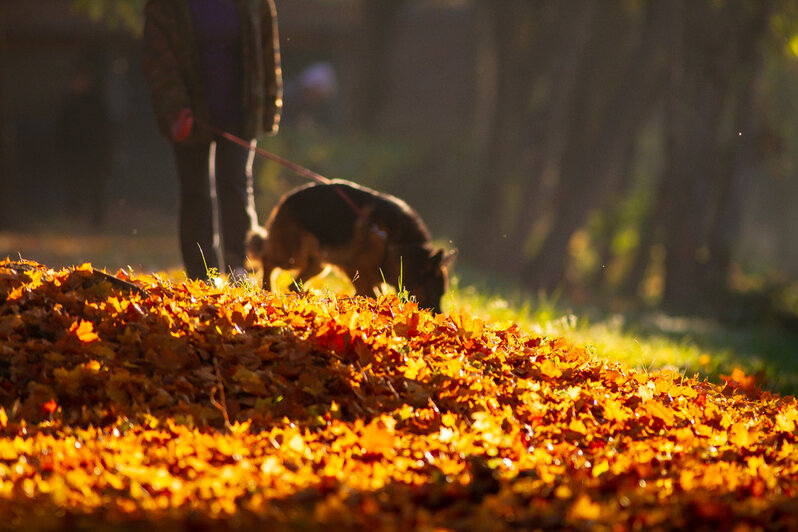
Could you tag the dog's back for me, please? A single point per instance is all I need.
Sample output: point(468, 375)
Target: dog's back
point(332, 212)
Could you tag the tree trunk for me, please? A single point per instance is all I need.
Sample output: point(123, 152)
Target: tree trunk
point(724, 231)
point(563, 66)
point(6, 183)
point(716, 49)
point(379, 26)
point(619, 85)
point(511, 32)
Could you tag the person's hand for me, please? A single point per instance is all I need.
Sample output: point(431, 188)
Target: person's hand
point(181, 128)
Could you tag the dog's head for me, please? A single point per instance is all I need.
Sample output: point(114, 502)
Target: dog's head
point(426, 276)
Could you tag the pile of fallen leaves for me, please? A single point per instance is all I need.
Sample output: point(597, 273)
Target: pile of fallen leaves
point(133, 403)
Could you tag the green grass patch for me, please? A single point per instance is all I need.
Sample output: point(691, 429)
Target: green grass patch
point(647, 339)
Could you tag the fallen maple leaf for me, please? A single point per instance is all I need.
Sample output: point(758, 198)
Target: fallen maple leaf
point(50, 406)
point(84, 331)
point(378, 436)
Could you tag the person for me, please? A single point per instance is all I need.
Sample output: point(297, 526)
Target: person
point(210, 66)
point(312, 97)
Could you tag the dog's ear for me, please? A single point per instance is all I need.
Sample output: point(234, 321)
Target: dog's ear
point(444, 258)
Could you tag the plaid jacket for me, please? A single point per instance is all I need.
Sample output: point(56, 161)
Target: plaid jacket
point(170, 65)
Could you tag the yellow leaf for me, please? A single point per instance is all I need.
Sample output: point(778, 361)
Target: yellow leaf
point(585, 509)
point(549, 369)
point(296, 443)
point(448, 419)
point(576, 425)
point(687, 480)
point(739, 435)
point(563, 492)
point(271, 465)
point(683, 391)
point(784, 422)
point(414, 366)
point(646, 392)
point(240, 427)
point(601, 468)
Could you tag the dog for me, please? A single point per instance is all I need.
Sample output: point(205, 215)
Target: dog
point(372, 236)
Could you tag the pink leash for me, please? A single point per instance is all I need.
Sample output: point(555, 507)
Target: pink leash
point(296, 168)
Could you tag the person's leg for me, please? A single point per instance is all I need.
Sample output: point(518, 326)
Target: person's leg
point(234, 185)
point(196, 210)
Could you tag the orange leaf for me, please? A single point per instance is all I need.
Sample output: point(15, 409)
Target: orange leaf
point(50, 406)
point(614, 411)
point(578, 426)
point(549, 369)
point(660, 411)
point(378, 436)
point(84, 331)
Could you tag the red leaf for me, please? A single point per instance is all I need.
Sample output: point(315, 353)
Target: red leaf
point(50, 406)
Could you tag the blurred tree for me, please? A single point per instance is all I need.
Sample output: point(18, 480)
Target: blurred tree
point(575, 85)
point(510, 35)
point(617, 84)
point(6, 183)
point(379, 25)
point(114, 12)
point(575, 82)
point(715, 56)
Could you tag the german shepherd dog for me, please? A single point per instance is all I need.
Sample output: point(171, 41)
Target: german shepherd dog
point(373, 237)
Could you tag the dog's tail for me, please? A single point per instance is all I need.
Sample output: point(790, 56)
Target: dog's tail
point(256, 240)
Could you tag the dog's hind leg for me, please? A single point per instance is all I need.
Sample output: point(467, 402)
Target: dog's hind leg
point(271, 258)
point(269, 269)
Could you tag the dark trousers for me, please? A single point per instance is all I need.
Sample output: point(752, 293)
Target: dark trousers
point(202, 230)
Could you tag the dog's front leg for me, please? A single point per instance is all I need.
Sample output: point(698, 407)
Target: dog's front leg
point(313, 267)
point(307, 257)
point(268, 269)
